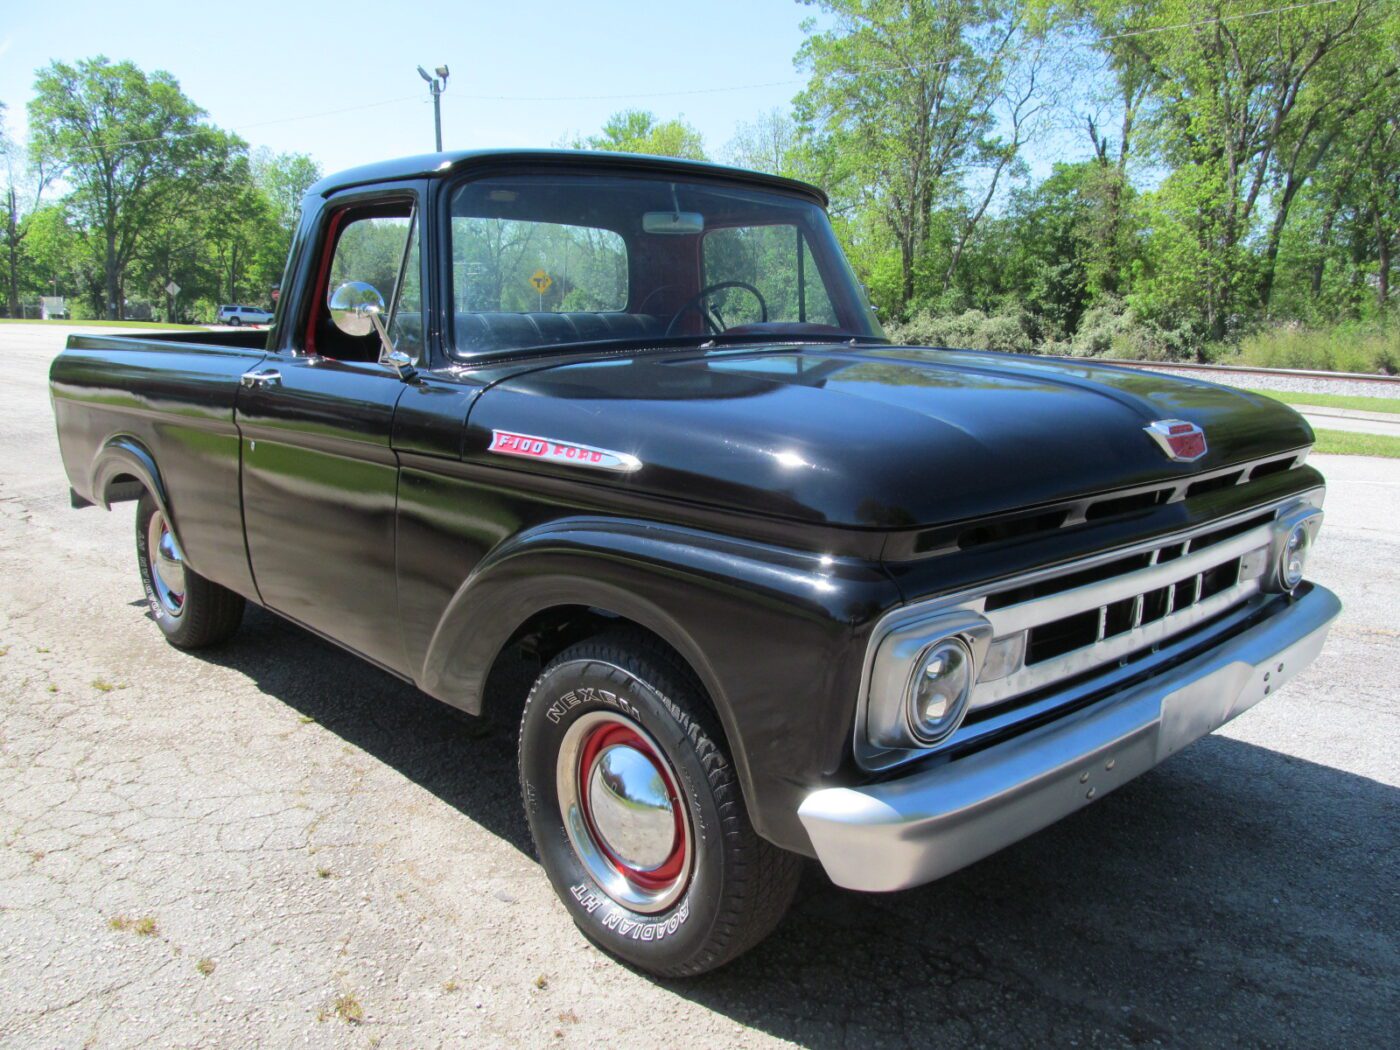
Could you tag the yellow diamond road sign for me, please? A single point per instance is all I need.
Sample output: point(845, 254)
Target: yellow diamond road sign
point(541, 281)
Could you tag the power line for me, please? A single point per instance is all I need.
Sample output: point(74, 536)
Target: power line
point(1126, 34)
point(242, 127)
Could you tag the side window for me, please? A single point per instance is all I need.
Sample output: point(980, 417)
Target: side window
point(406, 324)
point(776, 260)
point(375, 245)
point(371, 249)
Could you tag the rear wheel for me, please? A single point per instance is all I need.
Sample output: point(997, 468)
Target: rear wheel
point(190, 611)
point(235, 320)
point(637, 814)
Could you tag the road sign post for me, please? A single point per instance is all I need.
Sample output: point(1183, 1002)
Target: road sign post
point(541, 281)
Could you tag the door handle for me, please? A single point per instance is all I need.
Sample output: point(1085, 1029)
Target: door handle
point(271, 377)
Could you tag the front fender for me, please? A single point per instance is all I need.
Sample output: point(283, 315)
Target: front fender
point(775, 636)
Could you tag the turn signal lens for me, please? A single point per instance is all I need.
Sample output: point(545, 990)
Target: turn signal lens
point(939, 690)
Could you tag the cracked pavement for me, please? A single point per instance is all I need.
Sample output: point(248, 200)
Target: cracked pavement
point(328, 858)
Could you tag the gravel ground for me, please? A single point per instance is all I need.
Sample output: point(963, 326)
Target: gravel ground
point(275, 844)
point(1294, 384)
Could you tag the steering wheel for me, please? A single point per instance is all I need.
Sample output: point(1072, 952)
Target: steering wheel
point(714, 320)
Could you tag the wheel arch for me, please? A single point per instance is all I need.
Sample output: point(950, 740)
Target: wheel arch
point(767, 633)
point(123, 470)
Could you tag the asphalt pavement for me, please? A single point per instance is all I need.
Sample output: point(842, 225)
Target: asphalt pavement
point(274, 844)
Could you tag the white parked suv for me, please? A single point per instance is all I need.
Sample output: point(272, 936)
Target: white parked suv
point(240, 315)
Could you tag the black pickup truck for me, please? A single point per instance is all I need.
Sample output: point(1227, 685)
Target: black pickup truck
point(615, 446)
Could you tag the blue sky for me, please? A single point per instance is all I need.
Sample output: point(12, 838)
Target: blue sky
point(254, 66)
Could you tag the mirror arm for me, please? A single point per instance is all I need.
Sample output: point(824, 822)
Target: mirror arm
point(399, 361)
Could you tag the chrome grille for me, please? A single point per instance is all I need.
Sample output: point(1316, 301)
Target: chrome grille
point(1064, 625)
point(1048, 639)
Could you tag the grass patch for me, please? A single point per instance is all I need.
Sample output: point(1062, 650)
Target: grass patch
point(205, 966)
point(1345, 348)
point(142, 927)
point(323, 873)
point(110, 324)
point(1350, 443)
point(104, 686)
point(1353, 401)
point(349, 1010)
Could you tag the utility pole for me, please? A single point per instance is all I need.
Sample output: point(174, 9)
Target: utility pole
point(437, 85)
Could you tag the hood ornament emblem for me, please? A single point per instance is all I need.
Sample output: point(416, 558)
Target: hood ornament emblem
point(1182, 441)
point(529, 446)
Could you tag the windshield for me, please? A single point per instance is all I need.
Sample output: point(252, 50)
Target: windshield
point(575, 259)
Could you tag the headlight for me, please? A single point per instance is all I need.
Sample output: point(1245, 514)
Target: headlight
point(921, 680)
point(939, 690)
point(1294, 534)
point(1294, 556)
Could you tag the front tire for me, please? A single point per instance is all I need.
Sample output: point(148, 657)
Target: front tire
point(636, 811)
point(190, 611)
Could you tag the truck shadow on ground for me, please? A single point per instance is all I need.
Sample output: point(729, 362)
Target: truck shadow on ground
point(1235, 894)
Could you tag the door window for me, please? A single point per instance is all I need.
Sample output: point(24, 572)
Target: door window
point(377, 245)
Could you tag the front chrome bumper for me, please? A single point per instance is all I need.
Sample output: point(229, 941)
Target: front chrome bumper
point(920, 827)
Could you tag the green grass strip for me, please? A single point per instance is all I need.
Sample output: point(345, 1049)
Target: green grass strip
point(1350, 443)
point(1358, 402)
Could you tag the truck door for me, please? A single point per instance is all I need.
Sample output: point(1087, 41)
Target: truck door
point(320, 476)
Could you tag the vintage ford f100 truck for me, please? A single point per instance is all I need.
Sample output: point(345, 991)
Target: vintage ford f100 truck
point(615, 446)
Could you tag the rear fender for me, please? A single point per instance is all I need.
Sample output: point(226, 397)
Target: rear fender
point(125, 455)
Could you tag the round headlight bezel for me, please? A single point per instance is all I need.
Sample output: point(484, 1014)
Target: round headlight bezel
point(1293, 557)
point(966, 662)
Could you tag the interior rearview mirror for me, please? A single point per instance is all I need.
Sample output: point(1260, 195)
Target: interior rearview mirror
point(673, 222)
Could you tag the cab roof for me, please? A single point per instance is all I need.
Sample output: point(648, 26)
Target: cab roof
point(518, 161)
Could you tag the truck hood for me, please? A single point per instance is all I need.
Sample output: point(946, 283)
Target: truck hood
point(873, 437)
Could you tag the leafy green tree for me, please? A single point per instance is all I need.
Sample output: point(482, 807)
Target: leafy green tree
point(1245, 109)
point(23, 191)
point(907, 95)
point(126, 142)
point(639, 131)
point(771, 143)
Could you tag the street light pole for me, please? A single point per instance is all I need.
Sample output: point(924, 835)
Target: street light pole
point(437, 85)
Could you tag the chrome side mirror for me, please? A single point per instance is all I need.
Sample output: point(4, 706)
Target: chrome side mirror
point(353, 305)
point(357, 309)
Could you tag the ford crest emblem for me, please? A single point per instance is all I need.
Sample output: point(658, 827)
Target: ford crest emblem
point(1182, 441)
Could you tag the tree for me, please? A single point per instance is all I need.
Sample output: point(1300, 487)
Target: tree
point(1245, 109)
point(24, 189)
point(906, 92)
point(284, 178)
point(771, 143)
point(638, 131)
point(126, 143)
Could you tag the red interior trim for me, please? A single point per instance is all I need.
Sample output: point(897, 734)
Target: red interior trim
point(323, 273)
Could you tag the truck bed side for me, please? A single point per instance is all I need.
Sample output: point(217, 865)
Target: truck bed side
point(158, 412)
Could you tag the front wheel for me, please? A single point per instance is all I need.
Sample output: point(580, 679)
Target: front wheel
point(637, 815)
point(190, 611)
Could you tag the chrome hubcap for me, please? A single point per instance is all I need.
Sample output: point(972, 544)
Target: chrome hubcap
point(631, 808)
point(623, 813)
point(167, 565)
